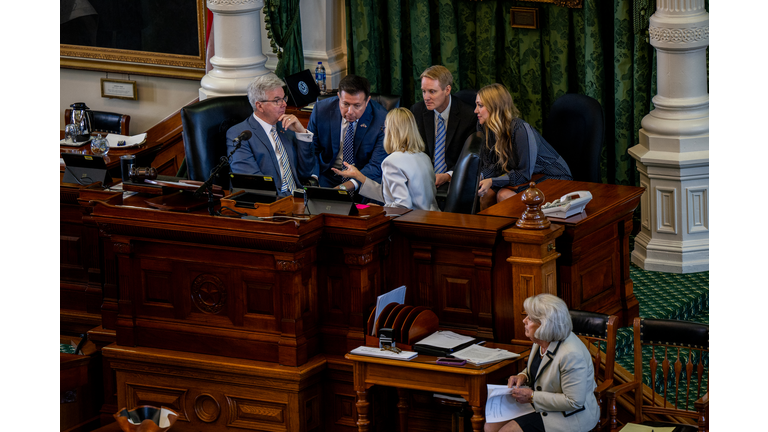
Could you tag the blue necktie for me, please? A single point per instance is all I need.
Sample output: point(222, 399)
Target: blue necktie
point(349, 146)
point(289, 185)
point(440, 146)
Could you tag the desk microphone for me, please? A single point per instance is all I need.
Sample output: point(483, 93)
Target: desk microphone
point(245, 135)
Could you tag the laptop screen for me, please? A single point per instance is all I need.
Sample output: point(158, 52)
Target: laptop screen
point(302, 89)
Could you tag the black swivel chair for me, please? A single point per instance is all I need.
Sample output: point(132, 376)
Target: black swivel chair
point(105, 122)
point(462, 192)
point(467, 96)
point(204, 129)
point(575, 128)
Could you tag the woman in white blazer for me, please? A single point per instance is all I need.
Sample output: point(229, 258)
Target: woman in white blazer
point(559, 380)
point(407, 175)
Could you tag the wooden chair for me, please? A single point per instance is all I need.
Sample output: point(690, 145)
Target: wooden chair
point(676, 349)
point(105, 122)
point(594, 328)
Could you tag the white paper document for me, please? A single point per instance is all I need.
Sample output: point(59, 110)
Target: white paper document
point(445, 339)
point(378, 352)
point(633, 427)
point(130, 141)
point(480, 355)
point(502, 407)
point(397, 295)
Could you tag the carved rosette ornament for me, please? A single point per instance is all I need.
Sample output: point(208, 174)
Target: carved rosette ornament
point(358, 259)
point(533, 217)
point(209, 293)
point(289, 266)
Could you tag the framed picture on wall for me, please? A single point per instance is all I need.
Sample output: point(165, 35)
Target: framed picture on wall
point(159, 38)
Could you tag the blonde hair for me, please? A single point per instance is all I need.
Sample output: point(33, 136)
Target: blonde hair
point(501, 113)
point(401, 133)
point(439, 73)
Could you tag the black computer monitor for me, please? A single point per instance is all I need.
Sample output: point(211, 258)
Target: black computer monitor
point(302, 89)
point(85, 169)
point(329, 200)
point(252, 183)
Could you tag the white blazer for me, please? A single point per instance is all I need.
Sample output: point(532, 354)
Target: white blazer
point(563, 392)
point(407, 181)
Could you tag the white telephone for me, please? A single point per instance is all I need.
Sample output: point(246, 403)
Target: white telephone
point(567, 205)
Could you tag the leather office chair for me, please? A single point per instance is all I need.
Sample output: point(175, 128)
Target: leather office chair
point(389, 102)
point(575, 128)
point(467, 96)
point(462, 192)
point(105, 122)
point(204, 129)
point(674, 350)
point(594, 329)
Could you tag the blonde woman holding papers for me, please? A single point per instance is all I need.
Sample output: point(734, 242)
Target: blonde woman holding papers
point(407, 176)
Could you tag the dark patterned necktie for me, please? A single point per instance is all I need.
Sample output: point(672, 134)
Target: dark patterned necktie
point(440, 146)
point(289, 185)
point(349, 147)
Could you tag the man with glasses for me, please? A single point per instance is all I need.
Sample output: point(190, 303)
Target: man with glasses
point(348, 128)
point(280, 147)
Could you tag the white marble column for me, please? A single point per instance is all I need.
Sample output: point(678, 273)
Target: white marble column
point(673, 153)
point(323, 35)
point(238, 52)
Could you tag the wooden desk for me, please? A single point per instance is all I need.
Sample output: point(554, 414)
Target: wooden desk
point(421, 373)
point(593, 270)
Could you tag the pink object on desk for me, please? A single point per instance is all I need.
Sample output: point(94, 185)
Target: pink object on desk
point(361, 206)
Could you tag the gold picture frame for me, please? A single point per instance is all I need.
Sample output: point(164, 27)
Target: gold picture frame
point(118, 89)
point(141, 62)
point(523, 17)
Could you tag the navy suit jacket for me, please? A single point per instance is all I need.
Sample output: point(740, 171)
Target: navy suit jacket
point(461, 124)
point(257, 157)
point(325, 123)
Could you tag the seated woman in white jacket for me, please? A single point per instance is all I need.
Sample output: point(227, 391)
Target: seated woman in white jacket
point(407, 175)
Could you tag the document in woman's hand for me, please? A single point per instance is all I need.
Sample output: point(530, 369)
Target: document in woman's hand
point(502, 407)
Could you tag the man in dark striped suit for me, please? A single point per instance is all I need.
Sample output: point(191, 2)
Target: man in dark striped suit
point(444, 124)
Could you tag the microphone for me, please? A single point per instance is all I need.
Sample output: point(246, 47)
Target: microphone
point(245, 135)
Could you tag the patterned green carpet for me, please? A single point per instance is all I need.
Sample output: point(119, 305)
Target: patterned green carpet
point(667, 296)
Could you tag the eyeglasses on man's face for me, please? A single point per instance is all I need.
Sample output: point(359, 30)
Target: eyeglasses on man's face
point(277, 101)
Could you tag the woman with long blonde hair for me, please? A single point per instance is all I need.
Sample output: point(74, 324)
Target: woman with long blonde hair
point(407, 175)
point(514, 151)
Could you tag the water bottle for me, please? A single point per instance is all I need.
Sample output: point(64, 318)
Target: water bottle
point(320, 76)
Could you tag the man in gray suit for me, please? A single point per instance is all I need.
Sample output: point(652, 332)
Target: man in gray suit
point(444, 123)
point(280, 147)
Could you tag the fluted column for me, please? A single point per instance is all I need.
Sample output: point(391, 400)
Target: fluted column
point(237, 40)
point(673, 153)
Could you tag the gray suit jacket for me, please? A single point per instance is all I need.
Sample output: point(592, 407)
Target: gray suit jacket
point(407, 181)
point(257, 157)
point(564, 387)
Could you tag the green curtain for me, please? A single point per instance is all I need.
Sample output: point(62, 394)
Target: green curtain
point(283, 23)
point(594, 50)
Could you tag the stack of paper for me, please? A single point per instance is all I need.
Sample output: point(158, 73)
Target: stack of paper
point(501, 406)
point(442, 343)
point(378, 352)
point(130, 141)
point(480, 355)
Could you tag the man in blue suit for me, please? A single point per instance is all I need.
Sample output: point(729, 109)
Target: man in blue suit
point(280, 147)
point(348, 128)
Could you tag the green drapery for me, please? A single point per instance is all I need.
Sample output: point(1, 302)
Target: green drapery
point(593, 50)
point(283, 23)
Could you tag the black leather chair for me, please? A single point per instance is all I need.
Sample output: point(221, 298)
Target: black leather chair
point(467, 96)
point(105, 122)
point(204, 129)
point(677, 361)
point(462, 192)
point(575, 128)
point(389, 102)
point(594, 329)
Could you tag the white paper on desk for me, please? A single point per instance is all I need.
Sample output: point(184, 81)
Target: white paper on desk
point(480, 355)
point(397, 295)
point(633, 427)
point(445, 339)
point(130, 141)
point(378, 352)
point(501, 406)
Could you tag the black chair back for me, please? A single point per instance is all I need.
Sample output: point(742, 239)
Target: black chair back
point(105, 122)
point(575, 128)
point(467, 96)
point(204, 129)
point(462, 192)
